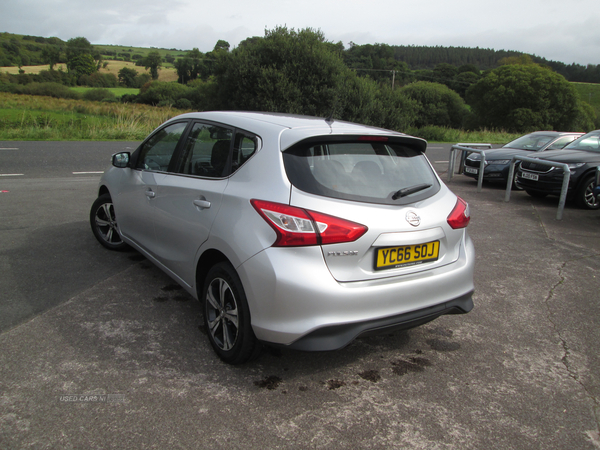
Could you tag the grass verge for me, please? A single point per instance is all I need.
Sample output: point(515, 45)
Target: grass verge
point(36, 118)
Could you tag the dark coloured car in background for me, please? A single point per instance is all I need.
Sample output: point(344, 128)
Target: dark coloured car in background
point(497, 160)
point(582, 157)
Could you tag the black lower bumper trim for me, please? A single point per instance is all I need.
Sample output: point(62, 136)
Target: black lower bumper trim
point(338, 336)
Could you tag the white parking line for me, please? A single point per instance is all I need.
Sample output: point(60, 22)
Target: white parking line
point(86, 173)
point(11, 174)
point(9, 148)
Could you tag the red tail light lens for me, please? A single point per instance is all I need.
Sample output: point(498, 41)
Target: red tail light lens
point(300, 227)
point(460, 215)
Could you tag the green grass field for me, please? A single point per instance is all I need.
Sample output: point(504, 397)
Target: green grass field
point(167, 73)
point(25, 117)
point(120, 91)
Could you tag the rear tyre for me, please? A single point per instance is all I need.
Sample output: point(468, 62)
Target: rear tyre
point(227, 316)
point(536, 194)
point(104, 223)
point(585, 196)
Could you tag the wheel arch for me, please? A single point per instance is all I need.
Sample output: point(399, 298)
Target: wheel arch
point(208, 259)
point(591, 172)
point(103, 190)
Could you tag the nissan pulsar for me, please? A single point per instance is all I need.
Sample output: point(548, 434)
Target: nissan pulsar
point(292, 231)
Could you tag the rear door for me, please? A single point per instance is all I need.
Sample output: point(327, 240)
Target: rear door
point(189, 200)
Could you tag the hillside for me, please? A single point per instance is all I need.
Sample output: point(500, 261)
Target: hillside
point(21, 50)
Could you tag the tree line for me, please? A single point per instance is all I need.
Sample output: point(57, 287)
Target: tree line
point(17, 51)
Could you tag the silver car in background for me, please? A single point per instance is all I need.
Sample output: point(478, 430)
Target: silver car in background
point(293, 231)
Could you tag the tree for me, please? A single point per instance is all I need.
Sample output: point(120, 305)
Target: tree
point(127, 76)
point(375, 61)
point(51, 55)
point(221, 45)
point(189, 67)
point(299, 72)
point(153, 62)
point(78, 46)
point(79, 57)
point(525, 97)
point(522, 60)
point(437, 104)
point(286, 71)
point(83, 64)
point(444, 73)
point(463, 81)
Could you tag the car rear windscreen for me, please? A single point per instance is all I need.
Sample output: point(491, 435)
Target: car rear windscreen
point(373, 171)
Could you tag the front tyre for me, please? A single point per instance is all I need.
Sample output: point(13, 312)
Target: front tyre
point(585, 196)
point(227, 316)
point(104, 223)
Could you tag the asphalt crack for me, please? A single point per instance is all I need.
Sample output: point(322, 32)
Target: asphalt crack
point(571, 370)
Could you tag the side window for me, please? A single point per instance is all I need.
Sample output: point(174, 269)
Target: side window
point(245, 146)
point(157, 152)
point(561, 142)
point(206, 151)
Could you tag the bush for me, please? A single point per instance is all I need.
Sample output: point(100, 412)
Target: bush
point(141, 79)
point(521, 98)
point(161, 93)
point(437, 104)
point(99, 80)
point(183, 103)
point(129, 98)
point(49, 89)
point(54, 76)
point(98, 95)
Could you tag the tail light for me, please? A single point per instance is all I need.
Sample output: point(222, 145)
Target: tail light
point(460, 215)
point(300, 227)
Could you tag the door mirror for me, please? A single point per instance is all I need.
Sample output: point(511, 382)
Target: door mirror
point(121, 160)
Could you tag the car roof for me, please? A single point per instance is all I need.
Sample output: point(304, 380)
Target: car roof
point(555, 133)
point(294, 128)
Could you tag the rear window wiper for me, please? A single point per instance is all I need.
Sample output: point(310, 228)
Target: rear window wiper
point(410, 190)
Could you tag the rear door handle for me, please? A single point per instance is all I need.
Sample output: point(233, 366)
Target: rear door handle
point(203, 204)
point(150, 193)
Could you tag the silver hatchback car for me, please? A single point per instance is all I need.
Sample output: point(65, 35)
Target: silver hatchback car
point(293, 231)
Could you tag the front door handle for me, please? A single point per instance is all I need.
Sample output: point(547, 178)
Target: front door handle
point(150, 193)
point(203, 204)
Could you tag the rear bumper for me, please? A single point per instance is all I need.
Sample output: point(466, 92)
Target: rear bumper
point(295, 302)
point(338, 336)
point(491, 172)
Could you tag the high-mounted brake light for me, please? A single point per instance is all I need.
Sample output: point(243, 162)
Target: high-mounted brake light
point(374, 138)
point(300, 227)
point(460, 215)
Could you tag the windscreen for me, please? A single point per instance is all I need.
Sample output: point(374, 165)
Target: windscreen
point(589, 142)
point(531, 142)
point(361, 170)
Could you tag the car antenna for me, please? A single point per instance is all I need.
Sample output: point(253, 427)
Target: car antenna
point(330, 119)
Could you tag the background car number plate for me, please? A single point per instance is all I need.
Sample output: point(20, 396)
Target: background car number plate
point(407, 255)
point(471, 170)
point(530, 176)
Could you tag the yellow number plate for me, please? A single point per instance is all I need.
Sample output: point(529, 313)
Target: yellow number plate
point(407, 255)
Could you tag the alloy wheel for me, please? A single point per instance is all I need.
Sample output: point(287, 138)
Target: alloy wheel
point(222, 314)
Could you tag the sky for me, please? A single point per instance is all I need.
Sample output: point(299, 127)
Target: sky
point(558, 30)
